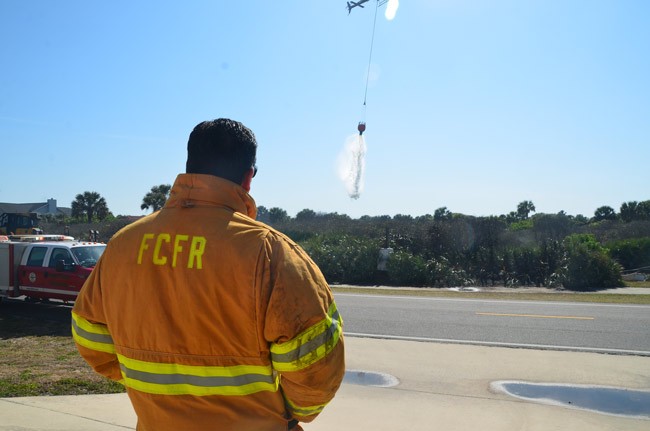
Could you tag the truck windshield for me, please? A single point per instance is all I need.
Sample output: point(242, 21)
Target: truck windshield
point(89, 255)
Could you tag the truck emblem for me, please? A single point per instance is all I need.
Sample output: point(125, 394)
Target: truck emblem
point(32, 277)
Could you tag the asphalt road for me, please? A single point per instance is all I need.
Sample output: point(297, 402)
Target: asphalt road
point(605, 328)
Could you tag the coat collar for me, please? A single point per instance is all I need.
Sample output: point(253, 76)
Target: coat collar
point(200, 190)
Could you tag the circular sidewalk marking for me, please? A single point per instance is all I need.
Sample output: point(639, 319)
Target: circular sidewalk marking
point(370, 378)
point(600, 399)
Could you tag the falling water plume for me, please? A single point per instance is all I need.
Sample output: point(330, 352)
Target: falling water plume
point(352, 164)
point(391, 9)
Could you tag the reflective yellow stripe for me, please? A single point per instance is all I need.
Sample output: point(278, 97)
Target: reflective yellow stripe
point(305, 411)
point(309, 346)
point(94, 336)
point(177, 379)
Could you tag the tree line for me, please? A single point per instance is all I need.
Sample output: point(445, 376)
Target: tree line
point(448, 249)
point(452, 249)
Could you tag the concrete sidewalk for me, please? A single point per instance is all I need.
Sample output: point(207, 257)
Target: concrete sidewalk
point(442, 386)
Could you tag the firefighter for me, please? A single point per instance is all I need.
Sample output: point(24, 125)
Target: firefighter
point(211, 319)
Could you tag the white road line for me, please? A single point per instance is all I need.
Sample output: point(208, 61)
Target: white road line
point(501, 344)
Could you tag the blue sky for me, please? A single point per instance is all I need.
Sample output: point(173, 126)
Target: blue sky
point(472, 105)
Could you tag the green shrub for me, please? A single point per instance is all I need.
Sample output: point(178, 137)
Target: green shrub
point(521, 225)
point(631, 253)
point(344, 258)
point(588, 265)
point(405, 269)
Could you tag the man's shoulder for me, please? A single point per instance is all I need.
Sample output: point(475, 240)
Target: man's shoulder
point(269, 232)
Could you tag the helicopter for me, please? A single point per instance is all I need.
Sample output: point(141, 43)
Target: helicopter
point(353, 4)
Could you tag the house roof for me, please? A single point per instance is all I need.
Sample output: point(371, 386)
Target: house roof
point(37, 207)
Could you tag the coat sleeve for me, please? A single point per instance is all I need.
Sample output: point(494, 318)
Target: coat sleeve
point(304, 329)
point(89, 329)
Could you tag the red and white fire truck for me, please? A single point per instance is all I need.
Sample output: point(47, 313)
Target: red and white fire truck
point(42, 267)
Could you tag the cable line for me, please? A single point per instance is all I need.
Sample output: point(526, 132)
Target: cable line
point(372, 43)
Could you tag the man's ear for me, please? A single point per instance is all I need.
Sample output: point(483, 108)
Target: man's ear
point(248, 177)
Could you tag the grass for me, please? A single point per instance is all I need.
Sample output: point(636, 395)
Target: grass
point(614, 298)
point(38, 356)
point(638, 284)
point(35, 385)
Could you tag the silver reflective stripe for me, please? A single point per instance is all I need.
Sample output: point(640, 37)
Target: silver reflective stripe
point(307, 411)
point(310, 346)
point(204, 381)
point(92, 336)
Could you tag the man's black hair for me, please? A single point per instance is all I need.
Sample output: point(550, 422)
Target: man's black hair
point(221, 147)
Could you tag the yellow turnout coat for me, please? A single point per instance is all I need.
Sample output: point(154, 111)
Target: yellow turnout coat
point(212, 320)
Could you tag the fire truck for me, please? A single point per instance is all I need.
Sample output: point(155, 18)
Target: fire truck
point(43, 267)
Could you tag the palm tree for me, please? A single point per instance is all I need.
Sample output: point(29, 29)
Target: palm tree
point(524, 208)
point(156, 198)
point(90, 205)
point(605, 213)
point(630, 211)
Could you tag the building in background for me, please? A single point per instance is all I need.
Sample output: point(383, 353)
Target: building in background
point(41, 208)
